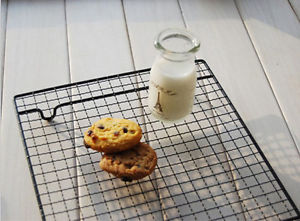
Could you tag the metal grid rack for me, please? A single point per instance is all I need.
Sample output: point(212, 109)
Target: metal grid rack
point(209, 166)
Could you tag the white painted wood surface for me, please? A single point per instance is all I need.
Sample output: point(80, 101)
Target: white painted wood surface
point(277, 20)
point(218, 25)
point(296, 7)
point(159, 15)
point(57, 42)
point(35, 57)
point(145, 20)
point(98, 43)
point(98, 47)
point(3, 13)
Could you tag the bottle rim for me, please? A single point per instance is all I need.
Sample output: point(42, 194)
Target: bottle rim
point(176, 33)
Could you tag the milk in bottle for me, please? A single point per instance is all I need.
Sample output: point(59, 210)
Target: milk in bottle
point(173, 76)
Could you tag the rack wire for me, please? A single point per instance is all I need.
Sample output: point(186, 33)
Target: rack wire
point(209, 165)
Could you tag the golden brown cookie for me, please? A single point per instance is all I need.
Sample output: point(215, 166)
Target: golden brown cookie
point(112, 135)
point(132, 164)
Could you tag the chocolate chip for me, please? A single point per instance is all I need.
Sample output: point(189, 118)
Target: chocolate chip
point(125, 130)
point(89, 133)
point(126, 179)
point(113, 159)
point(128, 165)
point(101, 127)
point(116, 133)
point(86, 145)
point(132, 131)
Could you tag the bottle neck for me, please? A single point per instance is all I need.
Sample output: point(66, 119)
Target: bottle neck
point(177, 45)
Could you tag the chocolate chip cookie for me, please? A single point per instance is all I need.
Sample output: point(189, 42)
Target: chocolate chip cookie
point(132, 164)
point(111, 135)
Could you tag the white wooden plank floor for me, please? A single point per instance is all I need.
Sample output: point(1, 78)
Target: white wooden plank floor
point(252, 47)
point(97, 32)
point(282, 71)
point(144, 19)
point(277, 20)
point(36, 39)
point(218, 23)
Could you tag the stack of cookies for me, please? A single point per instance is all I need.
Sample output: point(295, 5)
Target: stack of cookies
point(124, 155)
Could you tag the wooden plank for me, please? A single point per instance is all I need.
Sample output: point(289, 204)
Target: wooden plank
point(296, 7)
point(98, 46)
point(3, 14)
point(97, 39)
point(224, 39)
point(156, 16)
point(35, 57)
point(145, 20)
point(2, 49)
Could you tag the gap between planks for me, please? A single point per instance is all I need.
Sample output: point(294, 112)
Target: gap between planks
point(4, 11)
point(72, 133)
point(295, 6)
point(128, 36)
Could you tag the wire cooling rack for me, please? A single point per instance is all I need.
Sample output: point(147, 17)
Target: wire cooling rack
point(209, 166)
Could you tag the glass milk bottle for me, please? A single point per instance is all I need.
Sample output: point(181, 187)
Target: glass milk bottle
point(173, 75)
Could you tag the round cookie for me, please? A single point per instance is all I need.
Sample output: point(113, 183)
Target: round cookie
point(132, 164)
point(111, 135)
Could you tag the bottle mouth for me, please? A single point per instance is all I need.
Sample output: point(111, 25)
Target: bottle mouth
point(177, 42)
